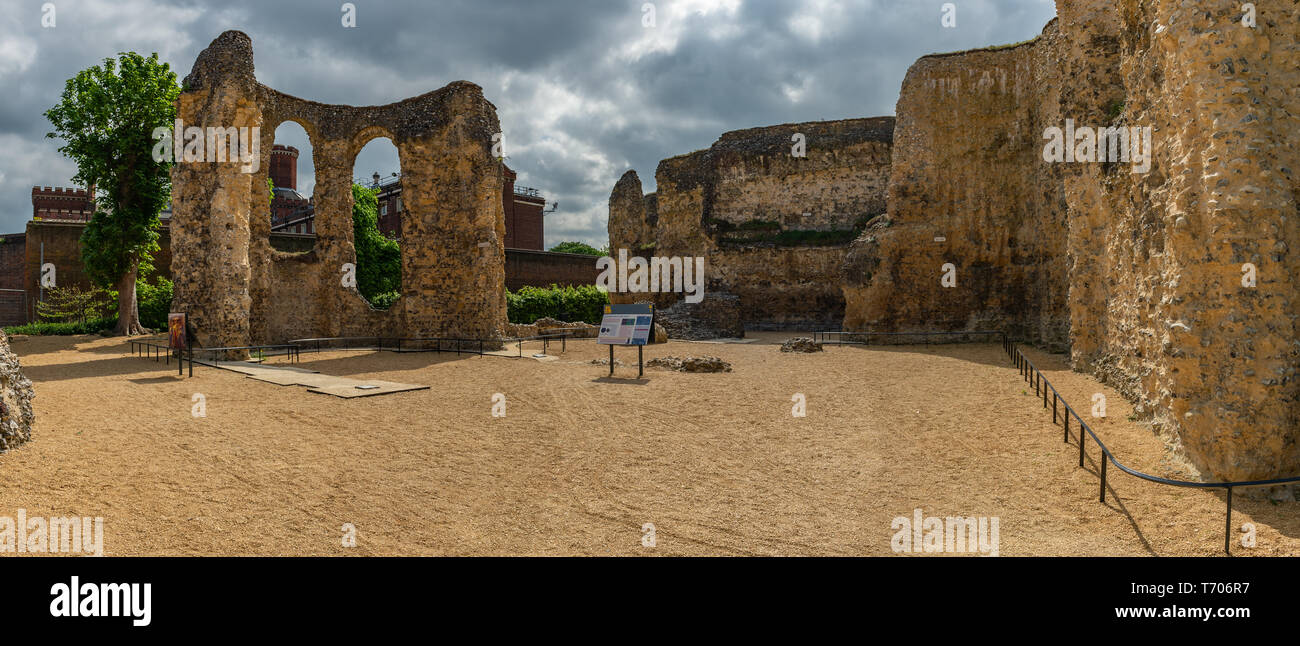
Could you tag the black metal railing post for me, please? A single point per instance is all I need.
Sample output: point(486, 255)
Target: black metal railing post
point(1104, 460)
point(1032, 374)
point(1227, 527)
point(1083, 439)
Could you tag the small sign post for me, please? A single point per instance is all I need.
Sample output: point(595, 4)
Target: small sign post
point(176, 339)
point(627, 325)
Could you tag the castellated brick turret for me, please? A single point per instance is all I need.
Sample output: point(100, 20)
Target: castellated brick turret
point(61, 204)
point(284, 166)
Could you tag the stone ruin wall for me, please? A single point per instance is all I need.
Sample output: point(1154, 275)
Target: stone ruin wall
point(1159, 308)
point(751, 175)
point(968, 188)
point(1137, 275)
point(16, 416)
point(238, 291)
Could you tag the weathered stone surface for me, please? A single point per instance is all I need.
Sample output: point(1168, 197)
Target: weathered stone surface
point(968, 187)
point(547, 325)
point(801, 344)
point(716, 316)
point(237, 290)
point(16, 416)
point(577, 329)
point(1157, 302)
point(690, 364)
point(1138, 275)
point(749, 180)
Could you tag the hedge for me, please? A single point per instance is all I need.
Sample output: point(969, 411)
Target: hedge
point(569, 304)
point(92, 326)
point(154, 302)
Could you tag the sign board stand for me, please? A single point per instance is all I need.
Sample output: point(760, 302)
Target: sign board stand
point(640, 362)
point(627, 325)
point(178, 341)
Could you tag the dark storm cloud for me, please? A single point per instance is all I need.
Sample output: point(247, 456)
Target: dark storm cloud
point(584, 91)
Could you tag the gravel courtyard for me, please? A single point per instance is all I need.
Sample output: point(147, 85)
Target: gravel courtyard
point(580, 464)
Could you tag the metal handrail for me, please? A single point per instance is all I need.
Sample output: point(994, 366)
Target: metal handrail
point(546, 339)
point(825, 336)
point(395, 343)
point(141, 347)
point(1042, 384)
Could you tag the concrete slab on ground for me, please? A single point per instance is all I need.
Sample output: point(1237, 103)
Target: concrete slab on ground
point(511, 350)
point(316, 382)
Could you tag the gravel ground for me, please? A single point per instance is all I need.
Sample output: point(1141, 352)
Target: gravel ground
point(580, 464)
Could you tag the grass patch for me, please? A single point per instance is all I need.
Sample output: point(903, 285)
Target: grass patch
point(768, 232)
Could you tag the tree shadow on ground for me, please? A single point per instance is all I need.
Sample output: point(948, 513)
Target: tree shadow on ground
point(127, 365)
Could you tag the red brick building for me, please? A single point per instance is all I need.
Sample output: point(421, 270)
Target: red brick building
point(525, 209)
point(290, 211)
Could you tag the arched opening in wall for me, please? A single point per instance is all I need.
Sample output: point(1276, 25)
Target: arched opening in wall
point(377, 210)
point(291, 177)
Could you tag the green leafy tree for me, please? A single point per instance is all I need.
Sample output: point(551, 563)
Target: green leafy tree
point(107, 115)
point(577, 247)
point(379, 259)
point(155, 301)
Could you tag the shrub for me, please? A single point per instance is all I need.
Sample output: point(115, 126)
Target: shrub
point(154, 301)
point(577, 247)
point(72, 304)
point(585, 303)
point(90, 326)
point(385, 300)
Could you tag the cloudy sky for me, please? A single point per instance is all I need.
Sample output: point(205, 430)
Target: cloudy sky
point(585, 89)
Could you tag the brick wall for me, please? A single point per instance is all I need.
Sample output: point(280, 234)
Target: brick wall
point(13, 310)
point(12, 260)
point(524, 224)
point(542, 268)
point(61, 242)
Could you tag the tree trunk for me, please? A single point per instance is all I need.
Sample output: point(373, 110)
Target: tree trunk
point(128, 313)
